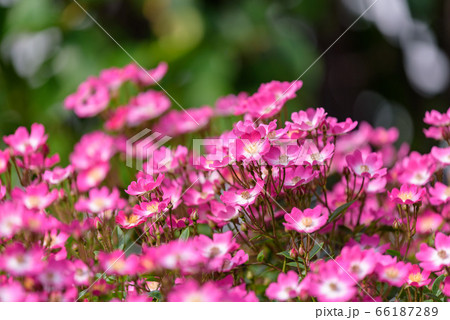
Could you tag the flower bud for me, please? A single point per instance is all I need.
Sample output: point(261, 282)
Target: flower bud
point(194, 215)
point(293, 253)
point(395, 224)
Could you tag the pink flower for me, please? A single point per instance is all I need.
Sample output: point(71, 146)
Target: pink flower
point(436, 118)
point(428, 222)
point(117, 118)
point(4, 159)
point(181, 255)
point(416, 169)
point(12, 292)
point(117, 263)
point(446, 288)
point(18, 261)
point(417, 278)
point(358, 262)
point(376, 185)
point(370, 242)
point(129, 220)
point(408, 194)
point(11, 219)
point(57, 175)
point(144, 185)
point(434, 259)
point(299, 176)
point(330, 283)
point(2, 191)
point(394, 273)
point(282, 155)
point(217, 247)
point(92, 177)
point(113, 78)
point(93, 148)
point(230, 104)
point(193, 197)
point(191, 291)
point(270, 99)
point(181, 122)
point(367, 165)
point(221, 213)
point(149, 209)
point(35, 196)
point(147, 77)
point(441, 154)
point(91, 98)
point(56, 275)
point(440, 194)
point(436, 133)
point(81, 273)
point(247, 127)
point(306, 221)
point(286, 287)
point(251, 147)
point(146, 106)
point(244, 197)
point(310, 154)
point(381, 137)
point(339, 128)
point(24, 143)
point(99, 200)
point(308, 120)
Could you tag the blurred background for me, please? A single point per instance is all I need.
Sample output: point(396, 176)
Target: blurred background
point(390, 68)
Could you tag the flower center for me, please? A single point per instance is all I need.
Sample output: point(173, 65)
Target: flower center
point(95, 174)
point(447, 192)
point(364, 168)
point(20, 258)
point(214, 252)
point(333, 286)
point(316, 156)
point(392, 273)
point(296, 179)
point(131, 219)
point(99, 203)
point(33, 201)
point(251, 148)
point(245, 195)
point(405, 196)
point(283, 159)
point(442, 254)
point(307, 221)
point(355, 268)
point(152, 207)
point(415, 277)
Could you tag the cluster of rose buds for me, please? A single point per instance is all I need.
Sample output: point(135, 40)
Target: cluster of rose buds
point(282, 207)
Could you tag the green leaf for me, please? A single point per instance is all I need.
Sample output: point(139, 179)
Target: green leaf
point(120, 238)
point(285, 254)
point(339, 210)
point(317, 247)
point(260, 256)
point(185, 234)
point(393, 253)
point(293, 264)
point(436, 284)
point(256, 237)
point(155, 295)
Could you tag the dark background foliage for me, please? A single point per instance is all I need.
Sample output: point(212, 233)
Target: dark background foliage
point(388, 69)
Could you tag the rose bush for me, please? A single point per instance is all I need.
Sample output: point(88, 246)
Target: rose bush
point(311, 209)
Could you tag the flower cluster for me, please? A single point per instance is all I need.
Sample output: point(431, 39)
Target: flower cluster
point(280, 207)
